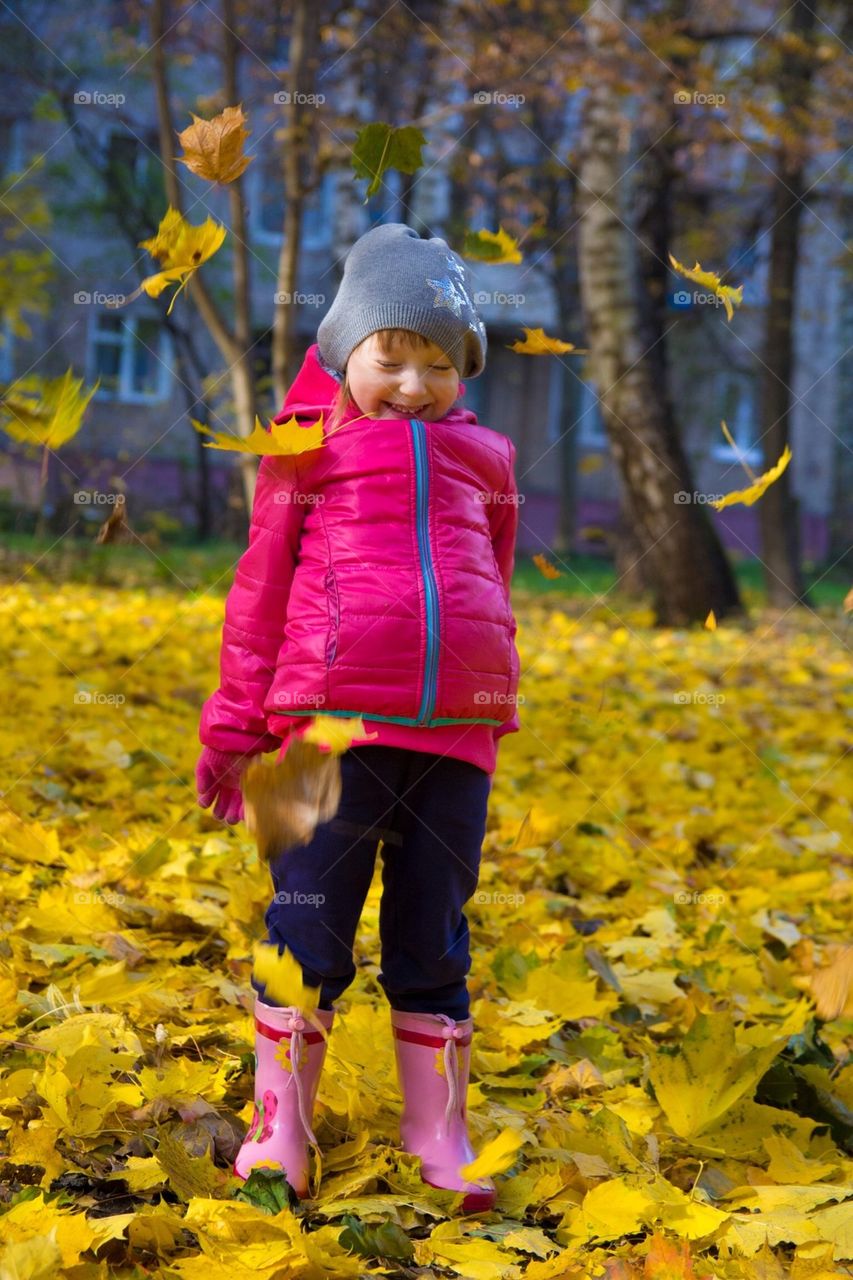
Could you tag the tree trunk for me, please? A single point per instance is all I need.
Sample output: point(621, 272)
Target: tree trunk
point(235, 353)
point(680, 550)
point(299, 115)
point(779, 508)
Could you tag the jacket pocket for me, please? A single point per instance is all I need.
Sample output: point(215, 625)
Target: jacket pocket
point(333, 602)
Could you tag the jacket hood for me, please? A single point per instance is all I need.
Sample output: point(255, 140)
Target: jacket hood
point(313, 390)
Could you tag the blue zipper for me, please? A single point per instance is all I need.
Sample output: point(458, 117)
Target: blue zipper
point(431, 662)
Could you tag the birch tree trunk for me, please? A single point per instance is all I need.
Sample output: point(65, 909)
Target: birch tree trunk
point(680, 552)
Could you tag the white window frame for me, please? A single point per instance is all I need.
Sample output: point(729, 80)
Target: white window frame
point(317, 229)
point(746, 451)
point(592, 435)
point(7, 353)
point(126, 393)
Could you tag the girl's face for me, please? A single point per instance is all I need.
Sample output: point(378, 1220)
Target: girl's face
point(408, 383)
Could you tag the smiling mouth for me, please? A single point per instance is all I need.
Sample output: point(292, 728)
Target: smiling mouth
point(405, 410)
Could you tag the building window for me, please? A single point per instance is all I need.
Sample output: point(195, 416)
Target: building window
point(7, 353)
point(590, 424)
point(132, 357)
point(736, 398)
point(11, 150)
point(266, 209)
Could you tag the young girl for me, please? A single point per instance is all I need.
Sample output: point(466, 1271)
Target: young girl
point(376, 584)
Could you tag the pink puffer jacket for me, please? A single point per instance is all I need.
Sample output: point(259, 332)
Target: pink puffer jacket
point(375, 582)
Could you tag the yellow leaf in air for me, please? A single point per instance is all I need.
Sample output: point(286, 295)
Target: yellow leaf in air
point(491, 246)
point(755, 491)
point(181, 248)
point(282, 977)
point(45, 411)
point(282, 440)
point(496, 1157)
point(848, 601)
point(547, 569)
point(336, 733)
point(214, 148)
point(536, 342)
point(726, 293)
point(711, 621)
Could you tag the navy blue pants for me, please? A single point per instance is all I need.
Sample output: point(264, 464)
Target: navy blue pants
point(429, 811)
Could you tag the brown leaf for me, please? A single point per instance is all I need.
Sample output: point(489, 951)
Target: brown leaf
point(214, 148)
point(284, 802)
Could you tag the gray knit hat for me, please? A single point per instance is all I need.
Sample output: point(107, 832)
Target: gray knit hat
point(395, 280)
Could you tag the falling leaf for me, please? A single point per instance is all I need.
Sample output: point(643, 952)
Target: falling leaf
point(336, 732)
point(283, 802)
point(182, 248)
point(496, 1157)
point(491, 246)
point(116, 528)
point(545, 567)
point(711, 621)
point(755, 490)
point(281, 975)
point(214, 148)
point(379, 147)
point(726, 293)
point(283, 439)
point(44, 411)
point(537, 343)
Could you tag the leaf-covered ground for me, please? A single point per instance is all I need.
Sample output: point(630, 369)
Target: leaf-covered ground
point(660, 981)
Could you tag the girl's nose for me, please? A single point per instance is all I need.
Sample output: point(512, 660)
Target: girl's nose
point(412, 383)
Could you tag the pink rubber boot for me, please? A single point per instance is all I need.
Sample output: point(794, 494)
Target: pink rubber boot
point(433, 1062)
point(284, 1097)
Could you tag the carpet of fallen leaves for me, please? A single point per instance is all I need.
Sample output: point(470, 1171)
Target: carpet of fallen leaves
point(660, 981)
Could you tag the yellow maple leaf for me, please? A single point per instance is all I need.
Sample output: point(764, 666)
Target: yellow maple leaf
point(181, 248)
point(47, 412)
point(726, 293)
point(335, 732)
point(491, 246)
point(214, 148)
point(711, 621)
point(282, 978)
point(536, 342)
point(754, 492)
point(496, 1157)
point(282, 440)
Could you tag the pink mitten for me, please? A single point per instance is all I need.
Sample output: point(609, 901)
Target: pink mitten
point(217, 777)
